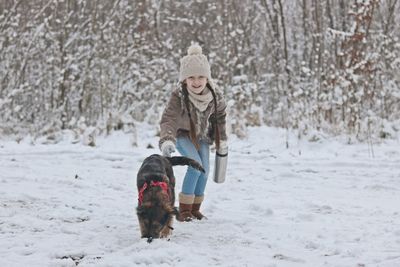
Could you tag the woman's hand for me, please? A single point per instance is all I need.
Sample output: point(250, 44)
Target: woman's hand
point(223, 147)
point(167, 148)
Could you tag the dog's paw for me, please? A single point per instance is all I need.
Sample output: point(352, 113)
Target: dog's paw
point(165, 232)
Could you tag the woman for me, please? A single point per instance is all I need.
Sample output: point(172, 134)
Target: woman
point(193, 119)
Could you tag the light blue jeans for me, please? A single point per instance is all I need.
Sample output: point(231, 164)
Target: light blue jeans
point(195, 181)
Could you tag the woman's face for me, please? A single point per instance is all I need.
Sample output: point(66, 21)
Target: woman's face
point(196, 84)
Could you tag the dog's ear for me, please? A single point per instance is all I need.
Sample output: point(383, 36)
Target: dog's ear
point(141, 210)
point(171, 210)
point(175, 211)
point(167, 207)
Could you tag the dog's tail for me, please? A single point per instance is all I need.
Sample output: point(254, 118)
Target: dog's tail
point(185, 161)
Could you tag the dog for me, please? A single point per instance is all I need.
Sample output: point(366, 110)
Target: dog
point(156, 194)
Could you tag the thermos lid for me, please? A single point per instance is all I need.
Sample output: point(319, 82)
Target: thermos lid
point(221, 154)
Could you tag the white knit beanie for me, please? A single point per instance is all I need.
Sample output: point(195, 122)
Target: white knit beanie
point(194, 64)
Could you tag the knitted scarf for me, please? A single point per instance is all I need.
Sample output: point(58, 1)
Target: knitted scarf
point(202, 101)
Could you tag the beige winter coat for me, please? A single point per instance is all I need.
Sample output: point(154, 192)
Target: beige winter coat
point(175, 119)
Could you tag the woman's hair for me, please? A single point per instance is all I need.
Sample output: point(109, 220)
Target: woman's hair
point(217, 137)
point(192, 131)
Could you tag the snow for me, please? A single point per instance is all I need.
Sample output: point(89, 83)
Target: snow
point(323, 203)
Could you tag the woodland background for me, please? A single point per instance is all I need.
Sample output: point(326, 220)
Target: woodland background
point(330, 66)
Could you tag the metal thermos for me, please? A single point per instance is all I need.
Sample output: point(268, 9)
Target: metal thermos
point(221, 162)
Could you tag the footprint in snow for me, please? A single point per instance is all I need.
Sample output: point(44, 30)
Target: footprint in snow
point(287, 258)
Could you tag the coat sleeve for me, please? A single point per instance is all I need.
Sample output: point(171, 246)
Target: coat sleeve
point(169, 119)
point(221, 116)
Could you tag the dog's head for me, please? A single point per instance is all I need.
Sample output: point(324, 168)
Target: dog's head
point(154, 211)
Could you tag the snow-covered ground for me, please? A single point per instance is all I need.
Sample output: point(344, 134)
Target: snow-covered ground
point(321, 203)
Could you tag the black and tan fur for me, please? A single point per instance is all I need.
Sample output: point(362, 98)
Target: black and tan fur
point(156, 211)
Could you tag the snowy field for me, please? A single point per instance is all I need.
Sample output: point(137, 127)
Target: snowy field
point(323, 203)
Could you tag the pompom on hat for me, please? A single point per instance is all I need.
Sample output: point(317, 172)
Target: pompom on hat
point(194, 64)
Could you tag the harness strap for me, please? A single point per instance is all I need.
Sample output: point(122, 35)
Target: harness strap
point(163, 185)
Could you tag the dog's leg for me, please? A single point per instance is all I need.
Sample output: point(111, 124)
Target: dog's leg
point(167, 230)
point(142, 228)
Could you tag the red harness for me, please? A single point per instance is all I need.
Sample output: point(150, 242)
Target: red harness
point(163, 185)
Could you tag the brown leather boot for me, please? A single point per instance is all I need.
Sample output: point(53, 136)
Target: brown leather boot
point(185, 207)
point(196, 208)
